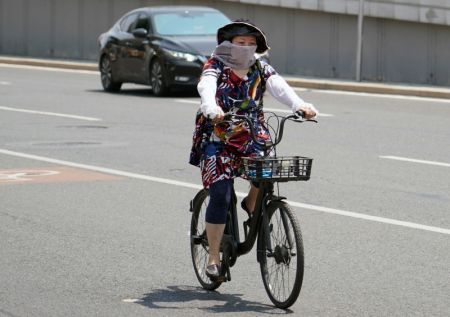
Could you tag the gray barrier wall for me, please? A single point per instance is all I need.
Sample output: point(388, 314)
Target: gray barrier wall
point(312, 43)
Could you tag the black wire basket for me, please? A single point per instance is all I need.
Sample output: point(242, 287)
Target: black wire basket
point(277, 169)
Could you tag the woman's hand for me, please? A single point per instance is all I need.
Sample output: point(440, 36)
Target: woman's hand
point(309, 111)
point(219, 115)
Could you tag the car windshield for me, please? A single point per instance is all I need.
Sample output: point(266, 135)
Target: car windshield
point(189, 23)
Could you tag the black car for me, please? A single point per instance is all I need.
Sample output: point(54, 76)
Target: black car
point(163, 47)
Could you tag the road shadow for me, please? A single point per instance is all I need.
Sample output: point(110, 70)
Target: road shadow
point(178, 297)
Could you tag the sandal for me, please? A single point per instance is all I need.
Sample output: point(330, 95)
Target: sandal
point(213, 271)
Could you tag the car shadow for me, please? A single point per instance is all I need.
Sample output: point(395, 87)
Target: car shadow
point(147, 92)
point(176, 297)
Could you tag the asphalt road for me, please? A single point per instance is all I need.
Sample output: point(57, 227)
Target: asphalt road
point(95, 188)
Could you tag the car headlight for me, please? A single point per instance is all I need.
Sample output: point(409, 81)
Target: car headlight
point(181, 55)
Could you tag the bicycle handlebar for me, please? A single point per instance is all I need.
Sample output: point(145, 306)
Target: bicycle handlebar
point(296, 117)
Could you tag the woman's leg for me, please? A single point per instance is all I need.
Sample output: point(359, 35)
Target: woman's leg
point(216, 216)
point(214, 232)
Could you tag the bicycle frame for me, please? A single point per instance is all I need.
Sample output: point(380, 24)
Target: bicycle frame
point(231, 246)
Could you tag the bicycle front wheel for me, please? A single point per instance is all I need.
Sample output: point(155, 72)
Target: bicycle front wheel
point(199, 241)
point(281, 255)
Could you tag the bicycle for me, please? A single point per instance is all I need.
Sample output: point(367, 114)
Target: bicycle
point(273, 224)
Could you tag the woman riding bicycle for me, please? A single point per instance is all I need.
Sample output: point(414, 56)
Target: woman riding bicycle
point(233, 80)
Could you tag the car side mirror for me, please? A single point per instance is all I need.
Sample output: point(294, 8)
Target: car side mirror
point(140, 33)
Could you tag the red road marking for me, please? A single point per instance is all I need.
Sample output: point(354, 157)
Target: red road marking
point(51, 175)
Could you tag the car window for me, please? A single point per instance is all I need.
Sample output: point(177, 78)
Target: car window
point(142, 22)
point(127, 22)
point(189, 23)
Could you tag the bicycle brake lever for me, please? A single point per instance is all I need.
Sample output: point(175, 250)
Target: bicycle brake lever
point(301, 118)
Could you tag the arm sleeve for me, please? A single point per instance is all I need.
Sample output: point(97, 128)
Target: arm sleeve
point(281, 91)
point(207, 88)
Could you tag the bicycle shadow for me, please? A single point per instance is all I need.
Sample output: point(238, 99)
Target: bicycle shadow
point(180, 297)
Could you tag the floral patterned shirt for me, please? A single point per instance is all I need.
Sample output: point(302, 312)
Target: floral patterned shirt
point(216, 158)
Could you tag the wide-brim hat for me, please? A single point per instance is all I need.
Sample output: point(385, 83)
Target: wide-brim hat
point(236, 28)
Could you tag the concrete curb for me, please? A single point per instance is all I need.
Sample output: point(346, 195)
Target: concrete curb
point(49, 63)
point(388, 89)
point(309, 83)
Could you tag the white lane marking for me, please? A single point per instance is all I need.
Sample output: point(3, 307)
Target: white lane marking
point(50, 114)
point(368, 94)
point(398, 158)
point(290, 111)
point(195, 102)
point(266, 109)
point(132, 300)
point(5, 83)
point(240, 194)
point(51, 69)
point(371, 218)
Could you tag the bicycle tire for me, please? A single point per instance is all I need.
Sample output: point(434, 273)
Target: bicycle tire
point(199, 242)
point(284, 262)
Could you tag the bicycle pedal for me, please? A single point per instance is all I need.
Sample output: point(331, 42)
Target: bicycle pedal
point(197, 239)
point(220, 279)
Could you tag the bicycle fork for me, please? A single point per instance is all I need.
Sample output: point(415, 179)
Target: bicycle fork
point(262, 252)
point(279, 253)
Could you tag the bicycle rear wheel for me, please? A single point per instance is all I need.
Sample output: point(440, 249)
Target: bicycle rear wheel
point(199, 242)
point(281, 256)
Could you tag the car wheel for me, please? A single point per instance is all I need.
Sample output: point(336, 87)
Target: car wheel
point(106, 76)
point(157, 80)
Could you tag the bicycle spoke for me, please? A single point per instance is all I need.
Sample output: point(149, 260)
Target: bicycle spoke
point(280, 279)
point(282, 272)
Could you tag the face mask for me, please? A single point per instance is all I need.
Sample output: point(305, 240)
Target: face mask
point(235, 56)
